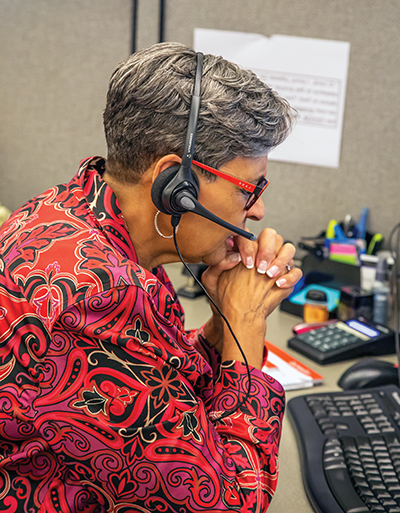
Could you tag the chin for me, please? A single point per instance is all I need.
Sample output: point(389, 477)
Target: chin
point(215, 256)
point(209, 252)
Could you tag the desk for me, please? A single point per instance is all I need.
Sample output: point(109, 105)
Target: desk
point(290, 495)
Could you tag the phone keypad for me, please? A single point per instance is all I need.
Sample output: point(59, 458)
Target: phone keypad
point(328, 337)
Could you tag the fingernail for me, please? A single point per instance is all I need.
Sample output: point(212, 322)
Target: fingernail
point(234, 257)
point(249, 262)
point(262, 267)
point(272, 271)
point(281, 282)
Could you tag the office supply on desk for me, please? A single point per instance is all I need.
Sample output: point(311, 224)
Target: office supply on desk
point(332, 296)
point(343, 249)
point(368, 373)
point(381, 290)
point(330, 231)
point(348, 226)
point(345, 252)
point(367, 271)
point(340, 341)
point(350, 449)
point(323, 273)
point(375, 244)
point(361, 229)
point(315, 306)
point(355, 302)
point(286, 369)
point(339, 234)
point(346, 242)
point(315, 248)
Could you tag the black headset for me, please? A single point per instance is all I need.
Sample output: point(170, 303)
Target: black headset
point(176, 189)
point(175, 192)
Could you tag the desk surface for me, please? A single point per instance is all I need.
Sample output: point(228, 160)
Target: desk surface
point(290, 494)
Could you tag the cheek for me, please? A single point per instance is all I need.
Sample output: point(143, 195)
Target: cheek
point(225, 203)
point(199, 236)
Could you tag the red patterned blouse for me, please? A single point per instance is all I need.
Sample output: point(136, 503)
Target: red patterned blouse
point(106, 403)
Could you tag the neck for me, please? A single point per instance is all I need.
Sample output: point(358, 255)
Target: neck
point(139, 213)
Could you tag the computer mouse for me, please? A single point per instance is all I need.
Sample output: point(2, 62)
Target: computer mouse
point(369, 373)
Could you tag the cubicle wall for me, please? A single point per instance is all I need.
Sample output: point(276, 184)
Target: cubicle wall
point(57, 55)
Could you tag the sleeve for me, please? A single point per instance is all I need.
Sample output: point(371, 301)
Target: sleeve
point(255, 429)
point(135, 410)
point(251, 435)
point(199, 341)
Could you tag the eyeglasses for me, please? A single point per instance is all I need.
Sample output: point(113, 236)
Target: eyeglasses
point(254, 190)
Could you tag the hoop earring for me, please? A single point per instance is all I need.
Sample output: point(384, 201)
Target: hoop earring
point(158, 229)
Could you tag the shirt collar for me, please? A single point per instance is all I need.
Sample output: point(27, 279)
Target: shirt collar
point(104, 204)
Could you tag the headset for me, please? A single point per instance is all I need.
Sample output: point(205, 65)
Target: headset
point(175, 192)
point(176, 189)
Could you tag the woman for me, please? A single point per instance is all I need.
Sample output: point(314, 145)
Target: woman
point(108, 405)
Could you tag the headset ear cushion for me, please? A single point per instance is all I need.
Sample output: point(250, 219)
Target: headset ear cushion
point(162, 181)
point(159, 185)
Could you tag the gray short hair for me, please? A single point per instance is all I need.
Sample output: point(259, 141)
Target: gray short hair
point(148, 104)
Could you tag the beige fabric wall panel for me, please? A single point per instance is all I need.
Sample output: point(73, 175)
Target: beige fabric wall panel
point(56, 59)
point(57, 55)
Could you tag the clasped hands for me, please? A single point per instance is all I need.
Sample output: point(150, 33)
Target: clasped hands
point(247, 285)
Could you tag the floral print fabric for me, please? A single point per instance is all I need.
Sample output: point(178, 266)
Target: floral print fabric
point(106, 403)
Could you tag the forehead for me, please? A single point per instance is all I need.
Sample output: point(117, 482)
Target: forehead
point(247, 168)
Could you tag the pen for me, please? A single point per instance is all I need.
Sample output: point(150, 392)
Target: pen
point(362, 224)
point(375, 244)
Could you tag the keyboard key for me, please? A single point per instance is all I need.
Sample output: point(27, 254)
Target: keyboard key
point(342, 488)
point(389, 502)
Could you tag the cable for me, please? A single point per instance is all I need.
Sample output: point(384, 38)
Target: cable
point(161, 22)
point(226, 413)
point(134, 25)
point(395, 273)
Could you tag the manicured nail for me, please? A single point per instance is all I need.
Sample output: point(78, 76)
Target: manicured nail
point(249, 262)
point(281, 282)
point(272, 271)
point(262, 267)
point(234, 257)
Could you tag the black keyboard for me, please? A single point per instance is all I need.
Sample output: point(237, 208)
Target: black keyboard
point(350, 449)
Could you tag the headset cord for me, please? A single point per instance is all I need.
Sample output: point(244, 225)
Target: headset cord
point(175, 222)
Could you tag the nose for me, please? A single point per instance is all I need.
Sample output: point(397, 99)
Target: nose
point(257, 211)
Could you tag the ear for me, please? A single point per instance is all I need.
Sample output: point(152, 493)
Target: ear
point(164, 163)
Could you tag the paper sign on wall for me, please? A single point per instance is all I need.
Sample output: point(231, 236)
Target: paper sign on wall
point(310, 73)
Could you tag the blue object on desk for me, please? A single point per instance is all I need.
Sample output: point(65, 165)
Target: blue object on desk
point(332, 295)
point(339, 234)
point(362, 224)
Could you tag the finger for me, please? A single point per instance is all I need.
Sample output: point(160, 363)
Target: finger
point(290, 279)
point(283, 258)
point(247, 249)
point(269, 244)
point(276, 296)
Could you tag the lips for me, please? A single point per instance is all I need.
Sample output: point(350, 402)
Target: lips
point(229, 243)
